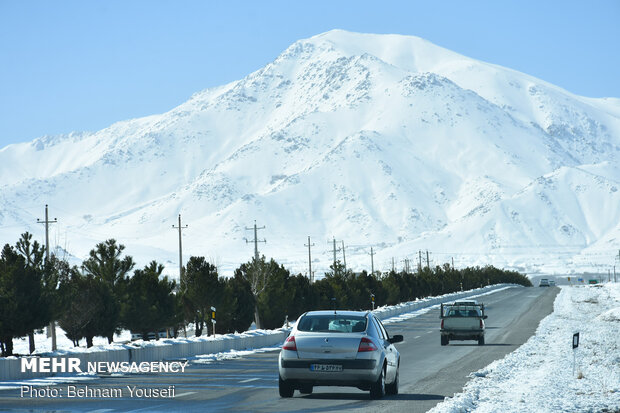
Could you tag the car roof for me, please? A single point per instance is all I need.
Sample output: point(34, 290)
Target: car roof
point(338, 312)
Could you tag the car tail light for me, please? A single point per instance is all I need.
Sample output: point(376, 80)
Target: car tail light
point(366, 345)
point(481, 324)
point(290, 344)
point(442, 324)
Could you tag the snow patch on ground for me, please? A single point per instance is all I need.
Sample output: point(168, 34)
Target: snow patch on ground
point(228, 355)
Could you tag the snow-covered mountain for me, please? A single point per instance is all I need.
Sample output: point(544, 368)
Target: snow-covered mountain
point(377, 140)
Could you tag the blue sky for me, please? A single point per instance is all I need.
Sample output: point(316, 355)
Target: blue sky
point(83, 65)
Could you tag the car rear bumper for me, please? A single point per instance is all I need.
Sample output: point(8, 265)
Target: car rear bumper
point(462, 334)
point(358, 373)
point(346, 363)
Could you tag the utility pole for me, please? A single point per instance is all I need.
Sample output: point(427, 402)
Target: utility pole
point(180, 227)
point(406, 265)
point(52, 326)
point(372, 261)
point(427, 261)
point(344, 258)
point(393, 264)
point(47, 238)
point(334, 254)
point(452, 263)
point(256, 240)
point(310, 275)
point(419, 260)
point(615, 266)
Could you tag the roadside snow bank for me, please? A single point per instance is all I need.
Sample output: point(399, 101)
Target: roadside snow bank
point(538, 376)
point(164, 349)
point(389, 312)
point(428, 304)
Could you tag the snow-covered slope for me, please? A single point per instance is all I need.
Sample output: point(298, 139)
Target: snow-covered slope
point(377, 140)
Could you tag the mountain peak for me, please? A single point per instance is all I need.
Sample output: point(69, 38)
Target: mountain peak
point(409, 53)
point(376, 139)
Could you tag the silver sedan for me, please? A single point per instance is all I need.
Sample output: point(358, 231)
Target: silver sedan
point(339, 348)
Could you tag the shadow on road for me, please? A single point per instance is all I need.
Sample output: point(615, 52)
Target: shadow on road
point(416, 396)
point(485, 345)
point(366, 396)
point(337, 396)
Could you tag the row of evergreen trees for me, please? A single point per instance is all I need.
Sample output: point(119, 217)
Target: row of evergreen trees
point(103, 296)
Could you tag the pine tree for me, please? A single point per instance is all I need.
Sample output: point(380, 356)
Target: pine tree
point(200, 289)
point(150, 305)
point(105, 264)
point(33, 292)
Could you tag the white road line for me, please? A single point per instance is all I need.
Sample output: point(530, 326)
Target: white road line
point(187, 393)
point(100, 411)
point(417, 337)
point(249, 380)
point(432, 331)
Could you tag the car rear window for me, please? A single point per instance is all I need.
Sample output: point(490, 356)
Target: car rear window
point(332, 323)
point(464, 311)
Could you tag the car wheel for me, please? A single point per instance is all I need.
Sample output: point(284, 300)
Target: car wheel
point(286, 390)
point(392, 388)
point(481, 341)
point(377, 389)
point(444, 340)
point(306, 389)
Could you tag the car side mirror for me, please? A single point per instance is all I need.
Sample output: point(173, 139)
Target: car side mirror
point(485, 317)
point(397, 338)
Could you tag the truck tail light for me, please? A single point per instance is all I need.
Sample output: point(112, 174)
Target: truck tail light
point(290, 344)
point(481, 323)
point(366, 345)
point(442, 324)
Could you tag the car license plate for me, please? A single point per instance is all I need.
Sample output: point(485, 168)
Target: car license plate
point(325, 367)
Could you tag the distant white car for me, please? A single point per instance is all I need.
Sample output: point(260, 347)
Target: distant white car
point(151, 335)
point(544, 282)
point(551, 283)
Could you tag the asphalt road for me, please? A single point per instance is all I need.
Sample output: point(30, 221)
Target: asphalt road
point(429, 372)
